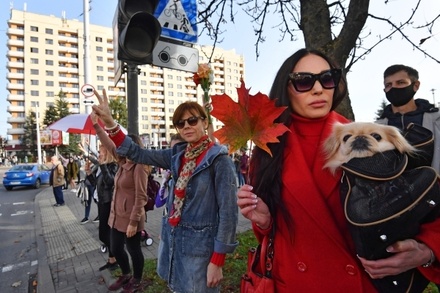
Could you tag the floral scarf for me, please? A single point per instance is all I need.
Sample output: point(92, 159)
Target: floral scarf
point(190, 157)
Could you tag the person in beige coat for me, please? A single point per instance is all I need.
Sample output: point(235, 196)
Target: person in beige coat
point(57, 181)
point(127, 214)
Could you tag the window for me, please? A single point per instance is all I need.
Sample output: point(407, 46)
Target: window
point(170, 76)
point(49, 83)
point(49, 62)
point(144, 91)
point(100, 78)
point(34, 82)
point(99, 58)
point(99, 48)
point(49, 31)
point(35, 104)
point(171, 102)
point(144, 100)
point(179, 86)
point(50, 94)
point(179, 95)
point(143, 82)
point(99, 68)
point(34, 60)
point(170, 85)
point(34, 71)
point(170, 94)
point(100, 87)
point(34, 28)
point(49, 41)
point(179, 78)
point(49, 52)
point(171, 110)
point(34, 50)
point(35, 93)
point(34, 39)
point(49, 73)
point(98, 39)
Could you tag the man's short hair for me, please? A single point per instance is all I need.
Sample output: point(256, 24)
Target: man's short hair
point(412, 73)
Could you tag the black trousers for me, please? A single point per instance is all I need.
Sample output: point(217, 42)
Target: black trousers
point(104, 228)
point(134, 249)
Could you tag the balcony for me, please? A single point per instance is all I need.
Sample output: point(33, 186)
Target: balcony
point(14, 142)
point(16, 119)
point(70, 60)
point(15, 43)
point(19, 109)
point(14, 75)
point(62, 69)
point(15, 86)
point(12, 97)
point(65, 39)
point(70, 90)
point(74, 80)
point(14, 53)
point(12, 131)
point(15, 32)
point(11, 64)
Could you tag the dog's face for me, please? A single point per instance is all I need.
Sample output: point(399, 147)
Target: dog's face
point(360, 140)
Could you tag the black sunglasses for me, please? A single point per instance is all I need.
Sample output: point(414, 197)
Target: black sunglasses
point(304, 81)
point(192, 121)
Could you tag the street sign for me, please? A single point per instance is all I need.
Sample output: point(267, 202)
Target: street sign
point(178, 19)
point(175, 56)
point(88, 90)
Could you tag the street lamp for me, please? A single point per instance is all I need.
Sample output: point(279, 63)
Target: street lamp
point(37, 118)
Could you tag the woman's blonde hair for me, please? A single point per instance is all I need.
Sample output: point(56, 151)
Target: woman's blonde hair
point(108, 157)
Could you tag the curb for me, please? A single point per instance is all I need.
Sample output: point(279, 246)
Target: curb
point(44, 276)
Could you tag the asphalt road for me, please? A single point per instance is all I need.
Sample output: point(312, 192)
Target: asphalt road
point(18, 250)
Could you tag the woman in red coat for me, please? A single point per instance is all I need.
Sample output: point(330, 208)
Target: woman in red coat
point(313, 249)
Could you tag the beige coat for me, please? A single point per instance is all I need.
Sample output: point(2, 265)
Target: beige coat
point(58, 176)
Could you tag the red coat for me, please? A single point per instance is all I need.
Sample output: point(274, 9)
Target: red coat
point(316, 253)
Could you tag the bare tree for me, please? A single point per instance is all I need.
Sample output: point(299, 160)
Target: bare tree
point(334, 27)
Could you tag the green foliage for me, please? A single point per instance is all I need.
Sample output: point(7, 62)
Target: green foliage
point(61, 105)
point(51, 115)
point(29, 138)
point(118, 107)
point(379, 112)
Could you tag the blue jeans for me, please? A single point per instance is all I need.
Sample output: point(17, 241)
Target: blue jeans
point(58, 193)
point(90, 189)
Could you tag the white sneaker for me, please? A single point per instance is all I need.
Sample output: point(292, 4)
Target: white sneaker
point(73, 190)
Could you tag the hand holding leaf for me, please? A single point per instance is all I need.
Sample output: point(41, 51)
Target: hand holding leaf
point(249, 119)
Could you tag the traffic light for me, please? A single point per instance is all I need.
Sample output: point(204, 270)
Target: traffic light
point(137, 30)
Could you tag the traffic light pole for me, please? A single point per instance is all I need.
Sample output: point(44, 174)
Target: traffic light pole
point(132, 98)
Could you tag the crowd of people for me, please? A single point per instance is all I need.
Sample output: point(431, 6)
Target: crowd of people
point(289, 194)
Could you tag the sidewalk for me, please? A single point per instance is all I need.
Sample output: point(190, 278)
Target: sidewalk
point(69, 254)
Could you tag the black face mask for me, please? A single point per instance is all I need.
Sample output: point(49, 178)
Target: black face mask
point(400, 96)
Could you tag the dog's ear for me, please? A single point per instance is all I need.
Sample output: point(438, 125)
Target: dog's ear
point(333, 142)
point(396, 138)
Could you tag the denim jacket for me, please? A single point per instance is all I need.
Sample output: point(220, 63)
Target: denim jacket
point(209, 215)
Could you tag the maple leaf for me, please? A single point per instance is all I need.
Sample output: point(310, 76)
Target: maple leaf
point(252, 118)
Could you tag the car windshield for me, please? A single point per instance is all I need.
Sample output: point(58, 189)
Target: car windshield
point(22, 168)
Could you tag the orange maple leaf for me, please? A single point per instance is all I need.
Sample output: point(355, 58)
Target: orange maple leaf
point(249, 119)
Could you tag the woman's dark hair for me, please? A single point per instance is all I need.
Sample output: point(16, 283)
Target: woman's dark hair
point(266, 171)
point(192, 107)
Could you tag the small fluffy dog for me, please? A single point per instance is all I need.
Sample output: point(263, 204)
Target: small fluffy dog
point(360, 140)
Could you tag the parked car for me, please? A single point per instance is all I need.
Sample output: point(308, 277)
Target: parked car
point(26, 175)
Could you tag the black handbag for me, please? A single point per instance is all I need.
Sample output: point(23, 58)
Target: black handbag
point(385, 202)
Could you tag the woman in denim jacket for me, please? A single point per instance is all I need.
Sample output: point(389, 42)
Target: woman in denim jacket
point(200, 218)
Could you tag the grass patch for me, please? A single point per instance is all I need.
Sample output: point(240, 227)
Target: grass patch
point(234, 267)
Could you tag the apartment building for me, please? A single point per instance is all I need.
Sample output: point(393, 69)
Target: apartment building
point(46, 55)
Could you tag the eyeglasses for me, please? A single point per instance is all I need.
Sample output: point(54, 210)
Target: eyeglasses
point(192, 121)
point(304, 81)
